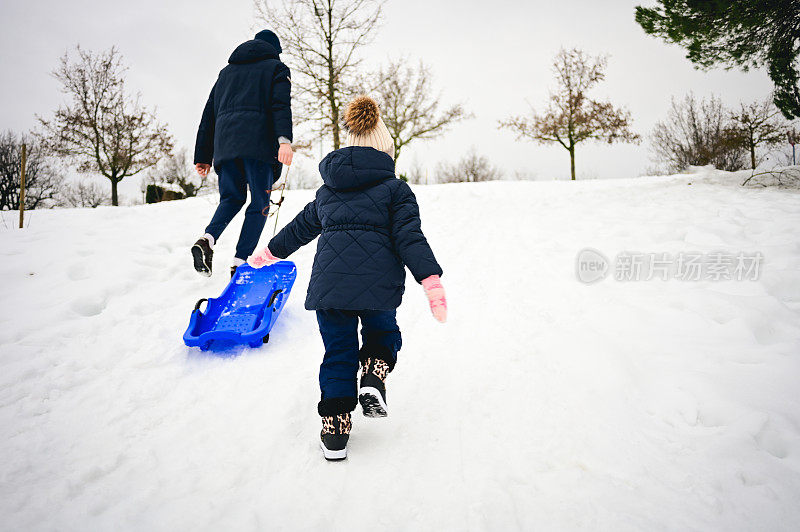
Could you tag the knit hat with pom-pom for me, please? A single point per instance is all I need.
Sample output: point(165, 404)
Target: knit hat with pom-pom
point(364, 126)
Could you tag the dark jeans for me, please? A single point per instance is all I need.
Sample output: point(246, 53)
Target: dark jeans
point(234, 177)
point(380, 337)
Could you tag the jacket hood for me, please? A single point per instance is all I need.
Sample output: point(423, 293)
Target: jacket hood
point(270, 37)
point(252, 51)
point(355, 167)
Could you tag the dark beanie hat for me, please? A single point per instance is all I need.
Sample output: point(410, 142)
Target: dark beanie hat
point(270, 37)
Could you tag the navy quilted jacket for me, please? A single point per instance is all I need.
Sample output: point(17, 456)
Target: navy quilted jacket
point(369, 228)
point(248, 109)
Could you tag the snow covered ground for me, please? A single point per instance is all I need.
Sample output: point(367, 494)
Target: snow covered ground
point(544, 403)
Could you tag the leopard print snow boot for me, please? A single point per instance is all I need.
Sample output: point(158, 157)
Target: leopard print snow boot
point(372, 392)
point(334, 436)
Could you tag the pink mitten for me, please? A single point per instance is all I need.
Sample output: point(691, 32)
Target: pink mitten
point(262, 258)
point(435, 292)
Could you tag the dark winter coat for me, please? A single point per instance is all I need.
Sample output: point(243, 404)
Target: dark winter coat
point(248, 109)
point(369, 227)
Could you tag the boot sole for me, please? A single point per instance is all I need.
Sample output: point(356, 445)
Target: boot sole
point(333, 455)
point(372, 402)
point(200, 265)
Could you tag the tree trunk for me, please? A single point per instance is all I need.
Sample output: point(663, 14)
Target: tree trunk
point(114, 197)
point(572, 161)
point(335, 124)
point(752, 154)
point(332, 85)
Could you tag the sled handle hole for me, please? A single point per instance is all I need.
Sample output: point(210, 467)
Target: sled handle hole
point(274, 296)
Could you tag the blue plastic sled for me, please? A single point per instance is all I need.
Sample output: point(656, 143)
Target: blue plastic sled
point(246, 310)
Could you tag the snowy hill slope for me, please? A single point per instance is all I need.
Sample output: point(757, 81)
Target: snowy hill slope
point(543, 403)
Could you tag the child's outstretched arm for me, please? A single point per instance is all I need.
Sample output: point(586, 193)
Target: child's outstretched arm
point(303, 229)
point(414, 250)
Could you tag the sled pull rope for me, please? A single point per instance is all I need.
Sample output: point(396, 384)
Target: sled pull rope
point(265, 212)
point(200, 302)
point(280, 201)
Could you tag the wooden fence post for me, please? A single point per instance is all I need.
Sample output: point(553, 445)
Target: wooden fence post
point(22, 186)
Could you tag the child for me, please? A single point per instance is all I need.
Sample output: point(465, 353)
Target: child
point(370, 228)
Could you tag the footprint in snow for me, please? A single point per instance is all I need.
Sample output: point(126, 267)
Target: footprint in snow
point(770, 440)
point(88, 306)
point(77, 272)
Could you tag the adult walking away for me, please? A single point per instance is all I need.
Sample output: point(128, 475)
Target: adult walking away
point(246, 132)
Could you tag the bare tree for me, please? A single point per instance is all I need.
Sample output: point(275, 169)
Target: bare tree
point(42, 180)
point(470, 169)
point(571, 117)
point(178, 170)
point(416, 173)
point(301, 178)
point(322, 39)
point(409, 106)
point(697, 134)
point(759, 124)
point(83, 195)
point(103, 129)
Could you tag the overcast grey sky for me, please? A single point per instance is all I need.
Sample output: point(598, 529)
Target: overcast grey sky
point(493, 56)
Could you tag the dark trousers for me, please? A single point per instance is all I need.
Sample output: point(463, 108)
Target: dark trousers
point(380, 338)
point(235, 176)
